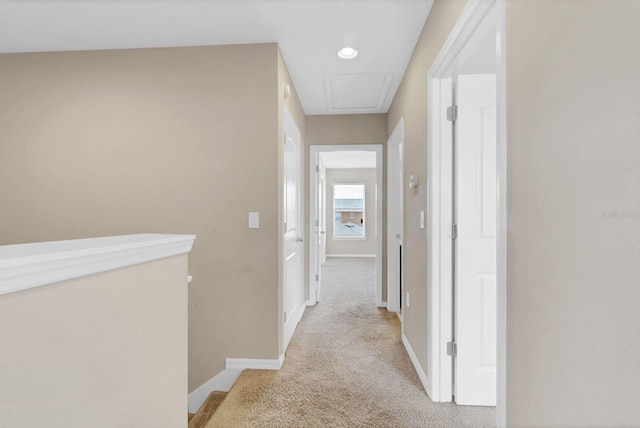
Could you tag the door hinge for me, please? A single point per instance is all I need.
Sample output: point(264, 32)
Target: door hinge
point(285, 227)
point(454, 231)
point(452, 349)
point(317, 168)
point(452, 113)
point(317, 277)
point(317, 223)
point(285, 317)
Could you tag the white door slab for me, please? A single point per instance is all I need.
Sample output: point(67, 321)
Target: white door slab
point(476, 243)
point(320, 233)
point(292, 260)
point(317, 230)
point(395, 215)
point(323, 216)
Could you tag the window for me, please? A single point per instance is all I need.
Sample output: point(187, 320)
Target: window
point(348, 210)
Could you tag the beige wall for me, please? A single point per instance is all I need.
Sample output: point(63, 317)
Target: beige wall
point(180, 140)
point(573, 158)
point(105, 350)
point(410, 102)
point(347, 129)
point(364, 176)
point(351, 129)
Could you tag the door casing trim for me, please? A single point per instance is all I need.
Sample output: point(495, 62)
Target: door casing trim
point(439, 370)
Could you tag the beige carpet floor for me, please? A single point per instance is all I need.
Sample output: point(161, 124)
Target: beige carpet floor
point(214, 400)
point(345, 367)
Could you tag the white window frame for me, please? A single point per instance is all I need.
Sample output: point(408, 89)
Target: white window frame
point(364, 209)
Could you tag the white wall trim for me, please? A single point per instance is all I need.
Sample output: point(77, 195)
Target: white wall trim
point(471, 18)
point(24, 266)
point(501, 86)
point(352, 255)
point(439, 213)
point(250, 363)
point(416, 364)
point(299, 315)
point(314, 150)
point(223, 381)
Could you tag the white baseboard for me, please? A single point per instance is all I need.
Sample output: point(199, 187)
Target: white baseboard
point(223, 381)
point(416, 365)
point(250, 363)
point(352, 255)
point(304, 308)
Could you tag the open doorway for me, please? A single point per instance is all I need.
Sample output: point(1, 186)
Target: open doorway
point(466, 212)
point(345, 194)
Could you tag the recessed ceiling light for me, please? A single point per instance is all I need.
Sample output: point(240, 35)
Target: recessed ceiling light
point(348, 53)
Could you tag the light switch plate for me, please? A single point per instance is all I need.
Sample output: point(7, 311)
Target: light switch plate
point(254, 220)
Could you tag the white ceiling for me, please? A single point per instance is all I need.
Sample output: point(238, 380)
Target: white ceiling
point(343, 160)
point(309, 33)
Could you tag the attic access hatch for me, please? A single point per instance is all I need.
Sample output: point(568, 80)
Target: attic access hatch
point(357, 92)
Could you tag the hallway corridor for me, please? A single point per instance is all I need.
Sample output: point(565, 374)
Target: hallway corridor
point(346, 366)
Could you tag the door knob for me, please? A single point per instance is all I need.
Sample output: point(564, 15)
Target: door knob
point(299, 239)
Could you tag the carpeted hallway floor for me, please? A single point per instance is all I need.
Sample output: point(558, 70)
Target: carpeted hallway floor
point(346, 367)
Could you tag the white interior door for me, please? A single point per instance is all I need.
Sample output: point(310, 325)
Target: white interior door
point(317, 249)
point(476, 245)
point(292, 260)
point(394, 216)
point(320, 233)
point(323, 217)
